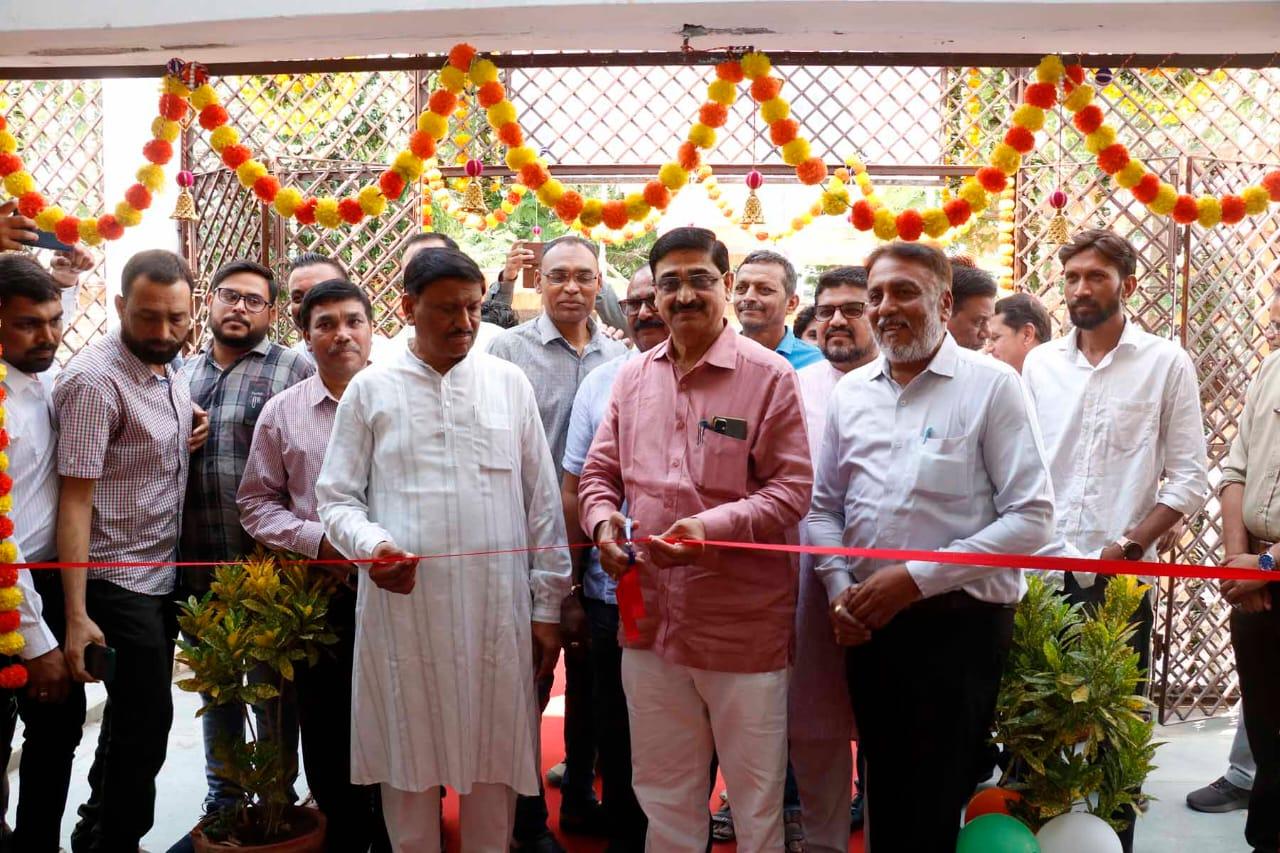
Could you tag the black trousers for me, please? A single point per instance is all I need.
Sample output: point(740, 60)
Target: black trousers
point(924, 694)
point(353, 812)
point(135, 722)
point(51, 733)
point(1256, 639)
point(579, 730)
point(627, 821)
point(531, 812)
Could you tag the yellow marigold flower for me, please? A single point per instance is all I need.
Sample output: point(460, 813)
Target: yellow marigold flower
point(435, 126)
point(48, 219)
point(10, 597)
point(128, 215)
point(1210, 211)
point(592, 213)
point(935, 222)
point(520, 156)
point(483, 71)
point(1050, 69)
point(162, 128)
point(673, 176)
point(151, 176)
point(11, 643)
point(775, 110)
point(886, 224)
point(174, 86)
point(408, 165)
point(1164, 201)
point(19, 183)
point(1256, 199)
point(1131, 174)
point(796, 151)
point(8, 142)
point(249, 172)
point(702, 136)
point(503, 112)
point(327, 213)
point(1081, 96)
point(723, 92)
point(1006, 158)
point(1032, 118)
point(372, 201)
point(203, 97)
point(972, 192)
point(755, 64)
point(89, 232)
point(550, 192)
point(833, 204)
point(637, 207)
point(453, 79)
point(1102, 138)
point(222, 137)
point(8, 551)
point(4, 460)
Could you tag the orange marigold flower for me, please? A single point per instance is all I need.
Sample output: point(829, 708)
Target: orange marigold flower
point(461, 56)
point(9, 163)
point(958, 211)
point(713, 115)
point(863, 215)
point(615, 214)
point(1146, 189)
point(138, 196)
point(109, 227)
point(234, 156)
point(173, 108)
point(391, 184)
point(812, 171)
point(491, 93)
point(30, 204)
point(305, 213)
point(442, 102)
point(265, 188)
point(1185, 210)
point(1020, 139)
point(1075, 73)
point(730, 71)
point(656, 195)
point(1088, 119)
point(1042, 95)
point(213, 117)
point(765, 88)
point(992, 179)
point(9, 620)
point(1271, 182)
point(68, 231)
point(910, 224)
point(782, 132)
point(350, 210)
point(1113, 158)
point(1232, 209)
point(423, 145)
point(13, 677)
point(160, 152)
point(569, 206)
point(534, 175)
point(511, 135)
point(688, 156)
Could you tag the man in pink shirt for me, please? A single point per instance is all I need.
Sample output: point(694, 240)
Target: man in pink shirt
point(707, 668)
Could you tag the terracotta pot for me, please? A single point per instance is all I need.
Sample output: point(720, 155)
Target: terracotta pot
point(309, 838)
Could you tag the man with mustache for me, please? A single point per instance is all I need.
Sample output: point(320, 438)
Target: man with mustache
point(415, 244)
point(1119, 410)
point(931, 447)
point(442, 452)
point(556, 350)
point(703, 439)
point(124, 415)
point(820, 718)
point(973, 298)
point(764, 293)
point(232, 379)
point(278, 509)
point(626, 820)
point(1020, 325)
point(33, 305)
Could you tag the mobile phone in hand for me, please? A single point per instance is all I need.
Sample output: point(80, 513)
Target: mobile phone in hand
point(528, 272)
point(100, 662)
point(46, 240)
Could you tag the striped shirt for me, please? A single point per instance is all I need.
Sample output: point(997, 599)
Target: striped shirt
point(555, 369)
point(234, 398)
point(126, 427)
point(277, 496)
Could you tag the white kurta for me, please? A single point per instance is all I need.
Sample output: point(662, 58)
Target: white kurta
point(443, 683)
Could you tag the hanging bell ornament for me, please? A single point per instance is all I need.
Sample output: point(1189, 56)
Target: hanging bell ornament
point(185, 209)
point(752, 210)
point(1059, 230)
point(473, 196)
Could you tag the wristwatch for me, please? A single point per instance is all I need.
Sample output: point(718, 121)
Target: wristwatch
point(1130, 550)
point(1266, 562)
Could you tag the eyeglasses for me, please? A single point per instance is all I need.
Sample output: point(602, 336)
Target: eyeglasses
point(850, 310)
point(700, 281)
point(631, 307)
point(253, 303)
point(583, 277)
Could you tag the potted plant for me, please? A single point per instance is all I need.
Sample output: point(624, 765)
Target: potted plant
point(1067, 712)
point(262, 616)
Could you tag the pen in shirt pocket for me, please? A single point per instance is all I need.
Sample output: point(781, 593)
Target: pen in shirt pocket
point(926, 435)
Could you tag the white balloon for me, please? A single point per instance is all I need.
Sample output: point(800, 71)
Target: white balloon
point(1078, 832)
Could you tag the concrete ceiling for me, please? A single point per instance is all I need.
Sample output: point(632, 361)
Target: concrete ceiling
point(68, 33)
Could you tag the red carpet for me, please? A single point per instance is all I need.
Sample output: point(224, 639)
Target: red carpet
point(552, 753)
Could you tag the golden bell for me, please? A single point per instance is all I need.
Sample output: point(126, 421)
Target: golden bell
point(473, 199)
point(1059, 231)
point(185, 209)
point(752, 210)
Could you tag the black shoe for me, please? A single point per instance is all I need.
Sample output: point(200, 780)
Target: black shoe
point(855, 813)
point(1217, 797)
point(544, 843)
point(584, 818)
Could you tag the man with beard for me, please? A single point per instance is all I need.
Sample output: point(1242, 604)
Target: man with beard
point(703, 439)
point(626, 820)
point(442, 452)
point(232, 379)
point(929, 448)
point(973, 298)
point(820, 718)
point(1020, 325)
point(278, 509)
point(33, 305)
point(124, 416)
point(556, 350)
point(764, 293)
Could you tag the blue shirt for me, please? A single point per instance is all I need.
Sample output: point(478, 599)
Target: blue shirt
point(799, 353)
point(589, 405)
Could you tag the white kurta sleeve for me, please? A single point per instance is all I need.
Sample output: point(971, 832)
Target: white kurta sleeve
point(549, 570)
point(342, 490)
point(825, 523)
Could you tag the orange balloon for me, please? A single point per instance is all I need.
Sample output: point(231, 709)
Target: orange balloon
point(990, 801)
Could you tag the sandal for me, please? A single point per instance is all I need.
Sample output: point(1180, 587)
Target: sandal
point(722, 824)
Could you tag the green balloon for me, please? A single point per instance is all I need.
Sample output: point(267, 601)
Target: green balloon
point(997, 833)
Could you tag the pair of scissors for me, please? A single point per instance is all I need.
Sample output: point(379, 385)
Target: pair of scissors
point(626, 534)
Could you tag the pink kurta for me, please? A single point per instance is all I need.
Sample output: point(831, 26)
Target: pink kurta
point(734, 611)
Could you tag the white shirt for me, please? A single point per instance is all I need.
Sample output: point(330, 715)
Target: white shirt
point(817, 382)
point(1120, 437)
point(446, 464)
point(951, 463)
point(33, 467)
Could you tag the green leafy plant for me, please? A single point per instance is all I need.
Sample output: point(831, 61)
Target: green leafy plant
point(259, 620)
point(1067, 710)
